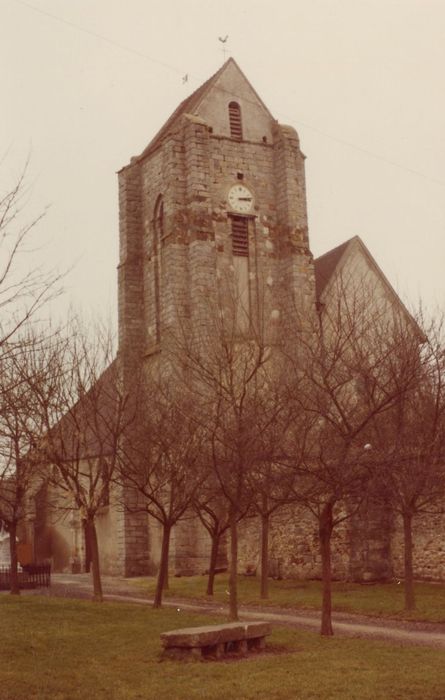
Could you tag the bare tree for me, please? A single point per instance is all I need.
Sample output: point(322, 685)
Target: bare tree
point(24, 288)
point(225, 360)
point(21, 427)
point(86, 413)
point(409, 442)
point(272, 480)
point(211, 509)
point(161, 457)
point(343, 359)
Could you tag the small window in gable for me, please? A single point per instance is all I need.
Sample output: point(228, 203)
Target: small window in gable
point(236, 128)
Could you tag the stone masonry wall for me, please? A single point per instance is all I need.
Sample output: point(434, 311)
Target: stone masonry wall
point(131, 526)
point(293, 546)
point(428, 547)
point(360, 544)
point(191, 171)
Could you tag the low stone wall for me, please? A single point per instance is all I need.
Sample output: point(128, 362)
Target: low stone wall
point(428, 547)
point(293, 545)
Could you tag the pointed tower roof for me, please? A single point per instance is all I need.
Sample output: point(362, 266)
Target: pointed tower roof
point(192, 103)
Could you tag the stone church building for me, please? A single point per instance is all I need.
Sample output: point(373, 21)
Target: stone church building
point(221, 184)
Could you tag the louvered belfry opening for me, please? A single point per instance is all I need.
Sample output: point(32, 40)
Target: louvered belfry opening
point(240, 236)
point(236, 129)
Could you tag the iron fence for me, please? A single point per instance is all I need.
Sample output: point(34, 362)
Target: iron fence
point(31, 576)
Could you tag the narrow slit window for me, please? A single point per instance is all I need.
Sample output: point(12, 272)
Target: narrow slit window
point(240, 237)
point(159, 219)
point(236, 128)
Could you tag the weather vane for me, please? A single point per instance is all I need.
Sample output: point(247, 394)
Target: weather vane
point(223, 42)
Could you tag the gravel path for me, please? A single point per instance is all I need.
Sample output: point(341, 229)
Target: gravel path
point(344, 624)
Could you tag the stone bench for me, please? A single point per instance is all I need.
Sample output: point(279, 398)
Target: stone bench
point(213, 641)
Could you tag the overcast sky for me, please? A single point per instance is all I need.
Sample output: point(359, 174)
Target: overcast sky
point(87, 83)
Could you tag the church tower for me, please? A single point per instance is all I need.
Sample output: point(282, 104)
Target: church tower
point(221, 185)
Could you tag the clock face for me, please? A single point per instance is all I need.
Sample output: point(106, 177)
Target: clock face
point(240, 199)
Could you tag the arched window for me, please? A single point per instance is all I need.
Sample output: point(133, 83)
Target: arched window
point(159, 217)
point(236, 127)
point(158, 220)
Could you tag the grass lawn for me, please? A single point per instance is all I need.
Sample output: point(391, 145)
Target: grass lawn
point(59, 649)
point(381, 600)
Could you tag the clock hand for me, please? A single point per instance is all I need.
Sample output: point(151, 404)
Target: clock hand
point(244, 199)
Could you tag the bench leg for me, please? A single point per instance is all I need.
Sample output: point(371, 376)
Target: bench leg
point(219, 651)
point(241, 646)
point(258, 643)
point(214, 651)
point(195, 652)
point(185, 653)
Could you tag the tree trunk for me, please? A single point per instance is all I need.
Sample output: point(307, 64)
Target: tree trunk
point(325, 532)
point(233, 576)
point(87, 548)
point(213, 559)
point(14, 575)
point(95, 563)
point(410, 602)
point(165, 584)
point(163, 566)
point(265, 555)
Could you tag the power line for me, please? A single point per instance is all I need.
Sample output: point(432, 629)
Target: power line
point(180, 72)
point(96, 35)
point(372, 154)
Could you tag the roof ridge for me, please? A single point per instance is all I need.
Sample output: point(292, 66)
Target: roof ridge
point(326, 264)
point(340, 245)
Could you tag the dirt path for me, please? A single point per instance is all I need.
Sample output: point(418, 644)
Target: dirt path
point(344, 624)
